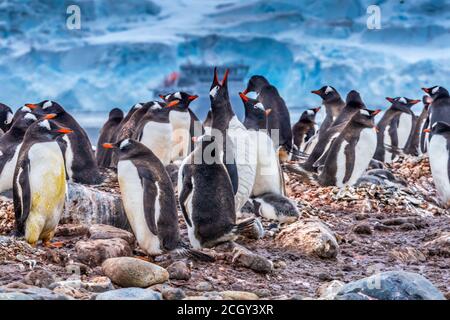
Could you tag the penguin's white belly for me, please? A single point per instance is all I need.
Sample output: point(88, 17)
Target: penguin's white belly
point(208, 131)
point(341, 164)
point(267, 210)
point(245, 152)
point(7, 174)
point(439, 157)
point(133, 201)
point(189, 210)
point(156, 137)
point(404, 129)
point(387, 145)
point(47, 180)
point(268, 174)
point(181, 137)
point(309, 146)
point(364, 151)
point(69, 157)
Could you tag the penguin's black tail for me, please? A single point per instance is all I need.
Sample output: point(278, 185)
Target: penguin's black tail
point(298, 170)
point(244, 227)
point(185, 251)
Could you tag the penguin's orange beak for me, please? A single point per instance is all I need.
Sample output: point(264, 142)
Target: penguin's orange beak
point(162, 97)
point(391, 100)
point(376, 112)
point(31, 105)
point(267, 112)
point(427, 130)
point(192, 98)
point(173, 103)
point(194, 139)
point(50, 116)
point(245, 92)
point(316, 92)
point(108, 146)
point(317, 109)
point(243, 96)
point(413, 102)
point(64, 130)
point(426, 90)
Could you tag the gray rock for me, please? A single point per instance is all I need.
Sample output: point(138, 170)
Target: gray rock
point(179, 271)
point(94, 252)
point(103, 231)
point(39, 278)
point(71, 230)
point(204, 286)
point(129, 294)
point(362, 228)
point(35, 293)
point(248, 259)
point(98, 284)
point(14, 296)
point(170, 293)
point(439, 246)
point(132, 272)
point(238, 295)
point(391, 285)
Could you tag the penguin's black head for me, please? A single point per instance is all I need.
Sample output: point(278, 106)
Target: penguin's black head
point(310, 114)
point(402, 104)
point(158, 110)
point(116, 113)
point(426, 100)
point(219, 89)
point(327, 93)
point(255, 84)
point(47, 107)
point(365, 117)
point(47, 130)
point(23, 121)
point(254, 109)
point(178, 99)
point(208, 119)
point(436, 92)
point(6, 117)
point(354, 100)
point(439, 127)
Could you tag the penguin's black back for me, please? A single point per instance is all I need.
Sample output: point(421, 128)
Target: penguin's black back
point(103, 156)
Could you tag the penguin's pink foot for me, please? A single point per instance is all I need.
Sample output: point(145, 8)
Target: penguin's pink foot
point(49, 244)
point(143, 258)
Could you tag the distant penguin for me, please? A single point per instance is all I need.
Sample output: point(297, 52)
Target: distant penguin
point(185, 124)
point(206, 196)
point(439, 153)
point(304, 128)
point(388, 139)
point(403, 124)
point(6, 117)
point(275, 207)
point(414, 146)
point(353, 105)
point(351, 152)
point(279, 118)
point(155, 132)
point(149, 200)
point(333, 103)
point(106, 133)
point(240, 159)
point(269, 176)
point(207, 123)
point(79, 157)
point(424, 136)
point(10, 144)
point(439, 109)
point(40, 186)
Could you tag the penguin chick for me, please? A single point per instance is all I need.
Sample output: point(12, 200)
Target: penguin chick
point(303, 129)
point(39, 184)
point(274, 206)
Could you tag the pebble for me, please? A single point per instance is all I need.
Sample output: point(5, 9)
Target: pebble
point(262, 292)
point(39, 278)
point(129, 294)
point(169, 293)
point(179, 270)
point(248, 259)
point(94, 252)
point(324, 277)
point(71, 230)
point(239, 295)
point(204, 286)
point(363, 228)
point(103, 231)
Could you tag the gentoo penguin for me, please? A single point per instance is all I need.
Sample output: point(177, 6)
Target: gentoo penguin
point(240, 152)
point(106, 133)
point(353, 105)
point(269, 177)
point(149, 200)
point(19, 112)
point(388, 140)
point(185, 123)
point(278, 121)
point(414, 146)
point(6, 117)
point(439, 153)
point(333, 103)
point(207, 123)
point(206, 196)
point(155, 132)
point(440, 106)
point(10, 144)
point(304, 129)
point(78, 155)
point(39, 185)
point(275, 207)
point(351, 152)
point(403, 124)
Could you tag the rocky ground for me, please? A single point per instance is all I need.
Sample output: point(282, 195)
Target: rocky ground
point(343, 236)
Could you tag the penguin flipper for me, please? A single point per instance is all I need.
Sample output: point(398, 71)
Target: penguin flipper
point(22, 196)
point(350, 158)
point(186, 189)
point(150, 194)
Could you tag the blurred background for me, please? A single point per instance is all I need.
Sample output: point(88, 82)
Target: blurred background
point(127, 51)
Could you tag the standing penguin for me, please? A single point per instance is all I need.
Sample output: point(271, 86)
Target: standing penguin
point(79, 157)
point(333, 103)
point(149, 200)
point(403, 124)
point(387, 146)
point(10, 144)
point(440, 106)
point(439, 153)
point(351, 152)
point(183, 122)
point(414, 146)
point(206, 196)
point(106, 133)
point(353, 105)
point(19, 113)
point(40, 186)
point(304, 129)
point(155, 132)
point(6, 117)
point(207, 123)
point(279, 118)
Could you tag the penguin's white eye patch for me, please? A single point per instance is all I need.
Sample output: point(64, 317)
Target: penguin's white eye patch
point(259, 106)
point(47, 104)
point(328, 89)
point(310, 112)
point(9, 117)
point(1, 153)
point(434, 125)
point(167, 97)
point(213, 91)
point(155, 106)
point(435, 89)
point(30, 116)
point(402, 100)
point(25, 109)
point(124, 143)
point(177, 95)
point(137, 106)
point(364, 112)
point(45, 124)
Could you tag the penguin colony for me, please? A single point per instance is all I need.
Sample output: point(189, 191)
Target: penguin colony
point(223, 164)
